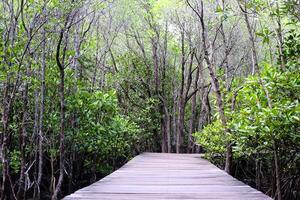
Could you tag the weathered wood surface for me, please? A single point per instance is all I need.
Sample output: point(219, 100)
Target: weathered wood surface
point(158, 176)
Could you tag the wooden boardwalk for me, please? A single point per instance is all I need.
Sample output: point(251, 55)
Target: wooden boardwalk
point(159, 176)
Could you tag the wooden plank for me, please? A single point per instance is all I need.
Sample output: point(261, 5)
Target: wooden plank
point(158, 176)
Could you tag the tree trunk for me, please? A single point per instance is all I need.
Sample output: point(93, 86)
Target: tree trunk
point(62, 114)
point(22, 138)
point(4, 139)
point(181, 103)
point(164, 145)
point(174, 118)
point(193, 116)
point(280, 37)
point(229, 158)
point(168, 127)
point(251, 38)
point(180, 123)
point(35, 136)
point(226, 52)
point(156, 65)
point(277, 170)
point(42, 108)
point(257, 173)
point(216, 85)
point(61, 135)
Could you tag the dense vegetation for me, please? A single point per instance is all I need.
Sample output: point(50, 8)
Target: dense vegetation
point(86, 85)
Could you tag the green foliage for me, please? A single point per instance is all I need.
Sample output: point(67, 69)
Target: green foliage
point(212, 137)
point(15, 161)
point(254, 126)
point(265, 34)
point(100, 130)
point(136, 100)
point(292, 48)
